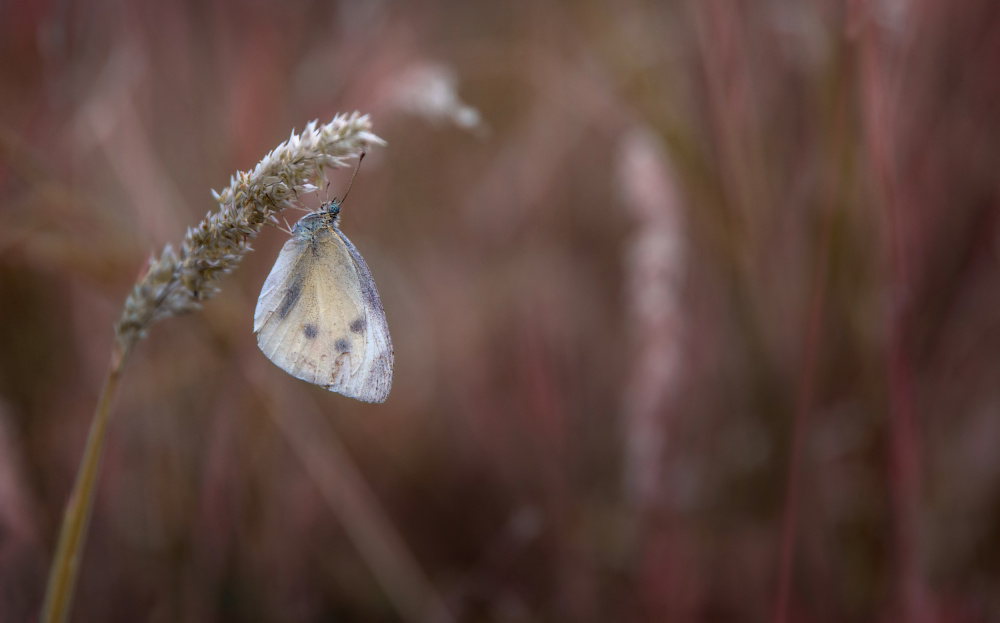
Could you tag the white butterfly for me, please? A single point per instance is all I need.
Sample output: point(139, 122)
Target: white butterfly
point(319, 316)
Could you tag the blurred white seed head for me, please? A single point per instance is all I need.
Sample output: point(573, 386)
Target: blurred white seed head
point(654, 265)
point(430, 90)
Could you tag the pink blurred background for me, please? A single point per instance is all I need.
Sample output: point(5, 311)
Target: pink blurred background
point(695, 305)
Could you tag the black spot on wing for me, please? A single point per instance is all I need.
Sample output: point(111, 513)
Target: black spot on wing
point(358, 325)
point(310, 331)
point(291, 297)
point(342, 346)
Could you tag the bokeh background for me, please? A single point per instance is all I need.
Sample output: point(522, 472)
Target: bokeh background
point(695, 305)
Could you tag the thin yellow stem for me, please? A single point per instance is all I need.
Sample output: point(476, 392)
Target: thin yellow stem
point(73, 534)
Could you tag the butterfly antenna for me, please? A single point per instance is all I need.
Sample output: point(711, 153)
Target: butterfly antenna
point(360, 158)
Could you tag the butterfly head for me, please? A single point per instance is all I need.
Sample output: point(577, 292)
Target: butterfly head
point(331, 211)
point(328, 216)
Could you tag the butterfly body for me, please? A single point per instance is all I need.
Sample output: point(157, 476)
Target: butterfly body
point(319, 316)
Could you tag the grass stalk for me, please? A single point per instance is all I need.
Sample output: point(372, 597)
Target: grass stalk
point(76, 519)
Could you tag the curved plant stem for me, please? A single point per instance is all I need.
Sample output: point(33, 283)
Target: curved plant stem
point(72, 535)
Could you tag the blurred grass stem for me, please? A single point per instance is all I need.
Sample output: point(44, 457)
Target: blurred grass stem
point(904, 469)
point(810, 358)
point(62, 576)
point(342, 485)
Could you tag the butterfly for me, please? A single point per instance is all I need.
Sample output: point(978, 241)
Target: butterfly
point(319, 316)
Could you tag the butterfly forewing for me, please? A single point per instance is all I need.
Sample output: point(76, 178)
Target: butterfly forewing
point(319, 316)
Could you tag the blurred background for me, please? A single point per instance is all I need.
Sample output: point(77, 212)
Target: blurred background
point(695, 306)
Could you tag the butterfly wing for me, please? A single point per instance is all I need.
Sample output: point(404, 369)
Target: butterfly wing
point(319, 317)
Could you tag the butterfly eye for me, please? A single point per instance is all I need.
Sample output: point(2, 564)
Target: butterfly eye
point(330, 208)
